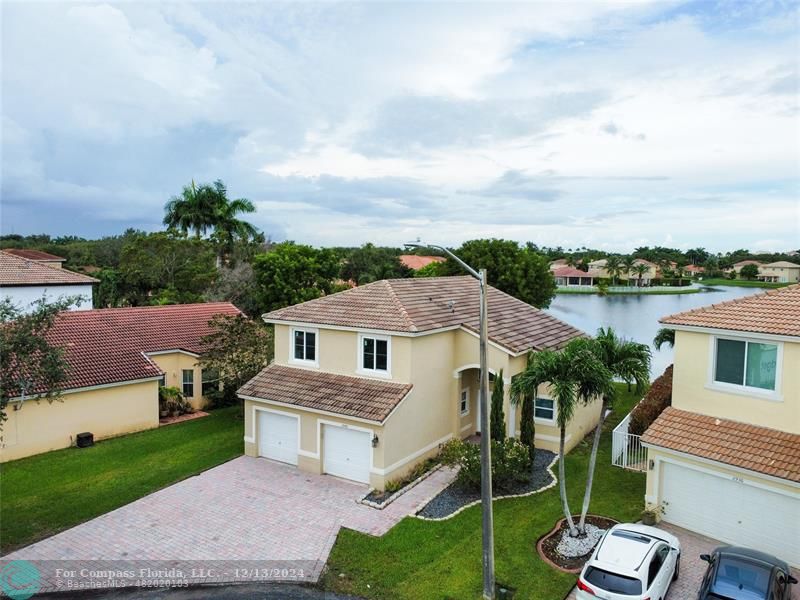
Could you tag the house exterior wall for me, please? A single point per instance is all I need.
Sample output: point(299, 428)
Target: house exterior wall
point(438, 365)
point(106, 412)
point(173, 365)
point(693, 390)
point(782, 274)
point(24, 295)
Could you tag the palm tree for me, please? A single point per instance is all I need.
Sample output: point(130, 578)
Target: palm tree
point(227, 227)
point(628, 264)
point(574, 374)
point(626, 360)
point(613, 265)
point(640, 269)
point(664, 336)
point(193, 210)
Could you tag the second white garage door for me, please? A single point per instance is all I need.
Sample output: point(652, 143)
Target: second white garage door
point(346, 453)
point(732, 511)
point(277, 436)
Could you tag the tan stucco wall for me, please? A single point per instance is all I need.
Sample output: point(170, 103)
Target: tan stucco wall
point(691, 389)
point(173, 364)
point(653, 493)
point(42, 426)
point(438, 365)
point(784, 274)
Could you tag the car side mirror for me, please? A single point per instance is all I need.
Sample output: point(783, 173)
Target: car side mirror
point(792, 580)
point(706, 557)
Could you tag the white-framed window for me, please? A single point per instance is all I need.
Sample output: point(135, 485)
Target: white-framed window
point(188, 383)
point(463, 402)
point(304, 346)
point(374, 355)
point(746, 364)
point(544, 409)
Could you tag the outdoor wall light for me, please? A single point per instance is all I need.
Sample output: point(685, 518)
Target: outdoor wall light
point(375, 440)
point(651, 464)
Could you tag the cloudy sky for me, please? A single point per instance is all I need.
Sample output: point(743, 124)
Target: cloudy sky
point(610, 125)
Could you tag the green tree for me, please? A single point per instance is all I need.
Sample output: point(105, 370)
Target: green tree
point(749, 272)
point(640, 269)
point(237, 349)
point(291, 273)
point(372, 263)
point(628, 361)
point(228, 228)
point(31, 368)
point(519, 272)
point(434, 269)
point(664, 336)
point(575, 375)
point(194, 210)
point(527, 430)
point(497, 419)
point(614, 267)
point(628, 264)
point(162, 268)
point(237, 285)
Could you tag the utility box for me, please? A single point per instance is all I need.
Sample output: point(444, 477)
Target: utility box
point(84, 440)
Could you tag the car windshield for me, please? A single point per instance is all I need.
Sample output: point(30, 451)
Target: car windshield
point(740, 578)
point(613, 582)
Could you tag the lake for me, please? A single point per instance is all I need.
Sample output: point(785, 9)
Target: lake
point(636, 316)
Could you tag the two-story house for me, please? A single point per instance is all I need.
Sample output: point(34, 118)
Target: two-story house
point(368, 382)
point(724, 459)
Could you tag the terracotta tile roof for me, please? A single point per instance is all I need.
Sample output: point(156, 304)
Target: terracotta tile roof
point(416, 305)
point(783, 264)
point(107, 345)
point(742, 263)
point(776, 312)
point(758, 449)
point(20, 271)
point(412, 261)
point(33, 254)
point(340, 394)
point(570, 272)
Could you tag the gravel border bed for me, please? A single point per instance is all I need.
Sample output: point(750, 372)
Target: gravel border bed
point(454, 498)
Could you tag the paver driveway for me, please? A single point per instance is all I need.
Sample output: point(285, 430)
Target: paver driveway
point(692, 568)
point(243, 511)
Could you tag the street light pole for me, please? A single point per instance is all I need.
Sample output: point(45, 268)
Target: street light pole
point(483, 400)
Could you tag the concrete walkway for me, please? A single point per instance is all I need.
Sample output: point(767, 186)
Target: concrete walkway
point(247, 520)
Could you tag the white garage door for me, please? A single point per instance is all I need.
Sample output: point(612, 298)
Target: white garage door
point(732, 511)
point(277, 436)
point(346, 453)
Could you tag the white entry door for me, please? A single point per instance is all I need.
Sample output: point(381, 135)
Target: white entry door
point(732, 511)
point(346, 452)
point(277, 436)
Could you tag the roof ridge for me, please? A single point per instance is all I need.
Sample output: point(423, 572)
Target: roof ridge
point(400, 306)
point(701, 416)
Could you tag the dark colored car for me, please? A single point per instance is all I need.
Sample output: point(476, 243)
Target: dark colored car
point(743, 574)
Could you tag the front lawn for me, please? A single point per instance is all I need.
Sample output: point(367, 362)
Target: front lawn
point(420, 559)
point(48, 493)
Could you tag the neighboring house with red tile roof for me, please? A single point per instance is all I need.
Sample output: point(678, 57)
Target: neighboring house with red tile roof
point(44, 258)
point(25, 281)
point(117, 358)
point(724, 459)
point(370, 381)
point(414, 262)
point(570, 276)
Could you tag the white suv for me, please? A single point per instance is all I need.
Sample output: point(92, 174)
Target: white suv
point(631, 562)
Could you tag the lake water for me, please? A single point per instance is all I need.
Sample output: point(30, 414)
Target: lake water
point(635, 316)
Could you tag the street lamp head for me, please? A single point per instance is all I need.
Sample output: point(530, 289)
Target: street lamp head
point(416, 244)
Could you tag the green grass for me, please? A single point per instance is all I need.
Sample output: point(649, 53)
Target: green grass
point(743, 283)
point(653, 291)
point(44, 494)
point(422, 559)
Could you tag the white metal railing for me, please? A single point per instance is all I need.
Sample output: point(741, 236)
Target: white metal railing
point(626, 449)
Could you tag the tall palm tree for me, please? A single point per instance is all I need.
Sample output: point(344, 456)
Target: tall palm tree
point(227, 226)
point(613, 266)
point(628, 264)
point(574, 374)
point(626, 360)
point(193, 210)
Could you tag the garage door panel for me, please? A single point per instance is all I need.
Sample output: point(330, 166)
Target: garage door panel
point(346, 453)
point(277, 436)
point(732, 511)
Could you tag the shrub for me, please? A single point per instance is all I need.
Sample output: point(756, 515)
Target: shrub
point(658, 397)
point(511, 462)
point(172, 402)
